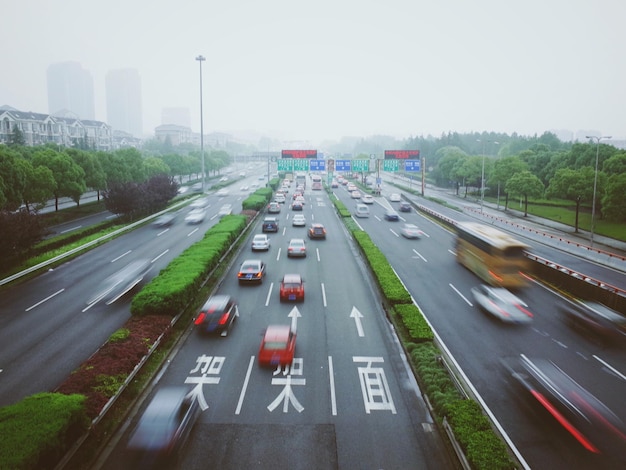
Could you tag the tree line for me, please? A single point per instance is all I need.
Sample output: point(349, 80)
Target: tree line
point(131, 183)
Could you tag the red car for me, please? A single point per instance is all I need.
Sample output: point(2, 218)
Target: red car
point(278, 346)
point(292, 288)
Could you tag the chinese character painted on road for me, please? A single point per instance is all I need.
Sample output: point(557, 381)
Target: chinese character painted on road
point(205, 365)
point(287, 396)
point(374, 386)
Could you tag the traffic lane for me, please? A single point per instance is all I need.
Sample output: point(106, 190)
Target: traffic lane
point(87, 221)
point(52, 319)
point(478, 342)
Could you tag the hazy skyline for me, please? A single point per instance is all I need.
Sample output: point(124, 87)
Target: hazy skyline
point(322, 70)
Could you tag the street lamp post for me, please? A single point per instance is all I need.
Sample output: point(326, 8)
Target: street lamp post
point(201, 59)
point(595, 183)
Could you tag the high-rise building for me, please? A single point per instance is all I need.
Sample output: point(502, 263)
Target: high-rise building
point(123, 97)
point(177, 116)
point(70, 90)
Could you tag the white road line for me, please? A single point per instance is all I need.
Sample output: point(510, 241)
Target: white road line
point(324, 294)
point(611, 368)
point(331, 378)
point(160, 255)
point(391, 230)
point(461, 295)
point(121, 256)
point(269, 293)
point(318, 254)
point(423, 259)
point(453, 253)
point(162, 232)
point(44, 300)
point(193, 231)
point(70, 229)
point(245, 386)
point(278, 254)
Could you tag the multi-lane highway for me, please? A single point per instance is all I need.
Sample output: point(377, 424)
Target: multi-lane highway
point(348, 401)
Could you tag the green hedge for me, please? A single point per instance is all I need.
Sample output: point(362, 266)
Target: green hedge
point(37, 430)
point(415, 323)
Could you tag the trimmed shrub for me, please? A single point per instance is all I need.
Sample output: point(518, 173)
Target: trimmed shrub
point(414, 322)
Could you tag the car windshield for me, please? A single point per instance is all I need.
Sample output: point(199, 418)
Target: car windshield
point(275, 345)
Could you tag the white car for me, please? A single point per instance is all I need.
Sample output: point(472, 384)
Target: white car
point(367, 199)
point(395, 197)
point(280, 198)
point(222, 192)
point(261, 242)
point(226, 209)
point(196, 216)
point(355, 194)
point(297, 247)
point(298, 220)
point(411, 231)
point(502, 304)
point(200, 203)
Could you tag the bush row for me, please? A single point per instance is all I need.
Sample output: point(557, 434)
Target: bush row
point(483, 449)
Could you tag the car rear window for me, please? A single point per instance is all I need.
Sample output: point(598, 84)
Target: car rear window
point(275, 345)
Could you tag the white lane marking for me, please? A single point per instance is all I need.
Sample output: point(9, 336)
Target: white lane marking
point(416, 252)
point(461, 295)
point(120, 256)
point(611, 368)
point(391, 230)
point(278, 254)
point(193, 231)
point(162, 254)
point(44, 300)
point(331, 378)
point(70, 229)
point(269, 293)
point(324, 295)
point(317, 250)
point(162, 232)
point(245, 386)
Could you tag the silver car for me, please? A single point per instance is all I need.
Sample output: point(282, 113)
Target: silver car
point(260, 242)
point(502, 304)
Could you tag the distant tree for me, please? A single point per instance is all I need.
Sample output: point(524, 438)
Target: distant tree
point(16, 138)
point(158, 191)
point(154, 166)
point(573, 185)
point(133, 163)
point(123, 198)
point(95, 177)
point(19, 231)
point(613, 207)
point(503, 170)
point(525, 184)
point(12, 172)
point(132, 199)
point(69, 178)
point(615, 165)
point(39, 187)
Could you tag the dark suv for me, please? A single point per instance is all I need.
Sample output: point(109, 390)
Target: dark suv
point(217, 315)
point(270, 224)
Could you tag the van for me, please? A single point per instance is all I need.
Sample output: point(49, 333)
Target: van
point(362, 210)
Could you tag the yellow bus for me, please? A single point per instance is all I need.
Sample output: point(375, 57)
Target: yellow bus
point(494, 256)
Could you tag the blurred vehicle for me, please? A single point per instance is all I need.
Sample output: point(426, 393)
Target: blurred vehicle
point(273, 208)
point(280, 198)
point(367, 199)
point(362, 210)
point(226, 209)
point(195, 216)
point(502, 304)
point(395, 197)
point(316, 182)
point(494, 256)
point(317, 230)
point(223, 179)
point(222, 192)
point(411, 231)
point(251, 270)
point(118, 284)
point(298, 220)
point(391, 215)
point(164, 220)
point(356, 194)
point(260, 242)
point(277, 346)
point(270, 224)
point(197, 187)
point(334, 184)
point(292, 288)
point(163, 427)
point(580, 413)
point(351, 187)
point(297, 248)
point(596, 320)
point(245, 187)
point(405, 206)
point(217, 315)
point(296, 206)
point(200, 203)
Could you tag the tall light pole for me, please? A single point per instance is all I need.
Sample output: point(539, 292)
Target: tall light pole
point(595, 183)
point(201, 59)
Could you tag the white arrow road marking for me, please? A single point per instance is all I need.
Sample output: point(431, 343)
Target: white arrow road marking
point(357, 319)
point(294, 315)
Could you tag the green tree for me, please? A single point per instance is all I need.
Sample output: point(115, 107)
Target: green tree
point(39, 186)
point(525, 184)
point(16, 138)
point(95, 177)
point(13, 175)
point(69, 178)
point(154, 166)
point(503, 170)
point(615, 165)
point(613, 207)
point(573, 185)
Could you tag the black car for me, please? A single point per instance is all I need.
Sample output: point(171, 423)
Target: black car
point(270, 224)
point(217, 315)
point(405, 206)
point(163, 428)
point(595, 320)
point(392, 215)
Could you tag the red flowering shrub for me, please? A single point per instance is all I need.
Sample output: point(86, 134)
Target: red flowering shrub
point(102, 374)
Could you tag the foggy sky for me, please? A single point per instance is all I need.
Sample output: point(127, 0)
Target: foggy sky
point(328, 68)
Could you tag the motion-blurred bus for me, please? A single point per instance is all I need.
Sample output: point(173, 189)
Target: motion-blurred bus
point(494, 256)
point(316, 182)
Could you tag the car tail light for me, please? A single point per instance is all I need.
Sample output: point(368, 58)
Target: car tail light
point(200, 319)
point(224, 319)
point(523, 310)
